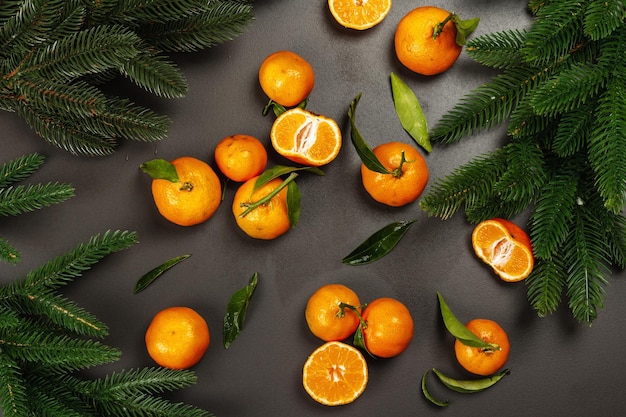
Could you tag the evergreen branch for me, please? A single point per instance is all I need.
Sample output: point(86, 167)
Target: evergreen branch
point(545, 285)
point(13, 396)
point(525, 173)
point(26, 198)
point(494, 206)
point(8, 318)
point(53, 401)
point(497, 50)
point(607, 145)
point(525, 123)
point(573, 130)
point(486, 106)
point(156, 74)
point(56, 353)
point(133, 12)
point(616, 238)
point(8, 253)
point(20, 168)
point(602, 17)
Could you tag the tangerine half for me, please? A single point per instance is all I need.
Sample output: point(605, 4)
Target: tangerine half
point(359, 14)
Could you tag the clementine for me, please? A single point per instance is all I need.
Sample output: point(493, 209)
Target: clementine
point(408, 177)
point(286, 78)
point(177, 338)
point(240, 157)
point(388, 328)
point(305, 137)
point(266, 221)
point(484, 361)
point(324, 316)
point(505, 247)
point(194, 198)
point(359, 14)
point(335, 374)
point(421, 50)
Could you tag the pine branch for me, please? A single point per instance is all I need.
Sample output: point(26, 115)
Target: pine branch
point(156, 74)
point(19, 169)
point(13, 396)
point(545, 285)
point(497, 50)
point(8, 252)
point(27, 198)
point(602, 17)
point(573, 130)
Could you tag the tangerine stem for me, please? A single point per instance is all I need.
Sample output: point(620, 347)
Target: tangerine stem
point(398, 171)
point(186, 186)
point(268, 198)
point(439, 26)
point(342, 308)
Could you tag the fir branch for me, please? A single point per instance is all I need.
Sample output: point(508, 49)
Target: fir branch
point(497, 50)
point(545, 285)
point(14, 398)
point(20, 168)
point(8, 252)
point(156, 74)
point(602, 17)
point(573, 130)
point(26, 198)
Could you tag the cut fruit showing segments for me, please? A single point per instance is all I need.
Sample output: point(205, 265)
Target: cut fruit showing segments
point(305, 137)
point(505, 247)
point(335, 374)
point(359, 14)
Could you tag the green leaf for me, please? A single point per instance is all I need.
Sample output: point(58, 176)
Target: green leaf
point(464, 28)
point(469, 386)
point(293, 203)
point(428, 395)
point(151, 276)
point(410, 112)
point(459, 330)
point(379, 244)
point(160, 169)
point(236, 311)
point(280, 170)
point(362, 148)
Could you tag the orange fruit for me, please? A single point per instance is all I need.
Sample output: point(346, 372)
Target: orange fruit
point(267, 221)
point(359, 14)
point(177, 337)
point(305, 137)
point(482, 361)
point(286, 78)
point(240, 157)
point(389, 327)
point(505, 247)
point(324, 316)
point(414, 44)
point(335, 374)
point(194, 198)
point(408, 178)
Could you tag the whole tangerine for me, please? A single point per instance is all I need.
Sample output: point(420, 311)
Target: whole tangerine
point(484, 361)
point(177, 337)
point(286, 78)
point(388, 328)
point(326, 318)
point(417, 48)
point(240, 157)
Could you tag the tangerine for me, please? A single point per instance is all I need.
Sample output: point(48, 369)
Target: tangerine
point(194, 198)
point(505, 247)
point(177, 337)
point(408, 177)
point(286, 78)
point(419, 49)
point(305, 137)
point(324, 316)
point(359, 14)
point(335, 374)
point(388, 328)
point(266, 221)
point(484, 361)
point(240, 157)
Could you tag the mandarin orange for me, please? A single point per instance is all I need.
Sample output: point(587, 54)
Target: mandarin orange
point(324, 316)
point(484, 361)
point(286, 78)
point(240, 157)
point(388, 329)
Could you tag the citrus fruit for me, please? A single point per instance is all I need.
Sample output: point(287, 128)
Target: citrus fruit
point(194, 198)
point(481, 361)
point(324, 316)
point(408, 178)
point(266, 221)
point(389, 327)
point(305, 137)
point(359, 14)
point(335, 374)
point(418, 50)
point(240, 157)
point(177, 337)
point(286, 78)
point(505, 247)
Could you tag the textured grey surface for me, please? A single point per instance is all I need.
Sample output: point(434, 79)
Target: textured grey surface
point(559, 368)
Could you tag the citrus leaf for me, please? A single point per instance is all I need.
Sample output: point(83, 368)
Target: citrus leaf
point(293, 203)
point(236, 311)
point(151, 276)
point(410, 112)
point(470, 386)
point(428, 395)
point(379, 244)
point(366, 154)
point(458, 329)
point(160, 169)
point(280, 170)
point(464, 28)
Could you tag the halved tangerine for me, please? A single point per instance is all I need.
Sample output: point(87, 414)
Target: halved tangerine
point(305, 137)
point(359, 14)
point(505, 247)
point(335, 374)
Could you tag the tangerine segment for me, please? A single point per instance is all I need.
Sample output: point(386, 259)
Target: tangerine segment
point(482, 361)
point(505, 247)
point(359, 14)
point(305, 137)
point(335, 374)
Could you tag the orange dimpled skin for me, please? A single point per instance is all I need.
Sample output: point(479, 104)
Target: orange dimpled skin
point(389, 327)
point(482, 361)
point(240, 157)
point(286, 78)
point(324, 316)
point(194, 198)
point(405, 184)
point(414, 44)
